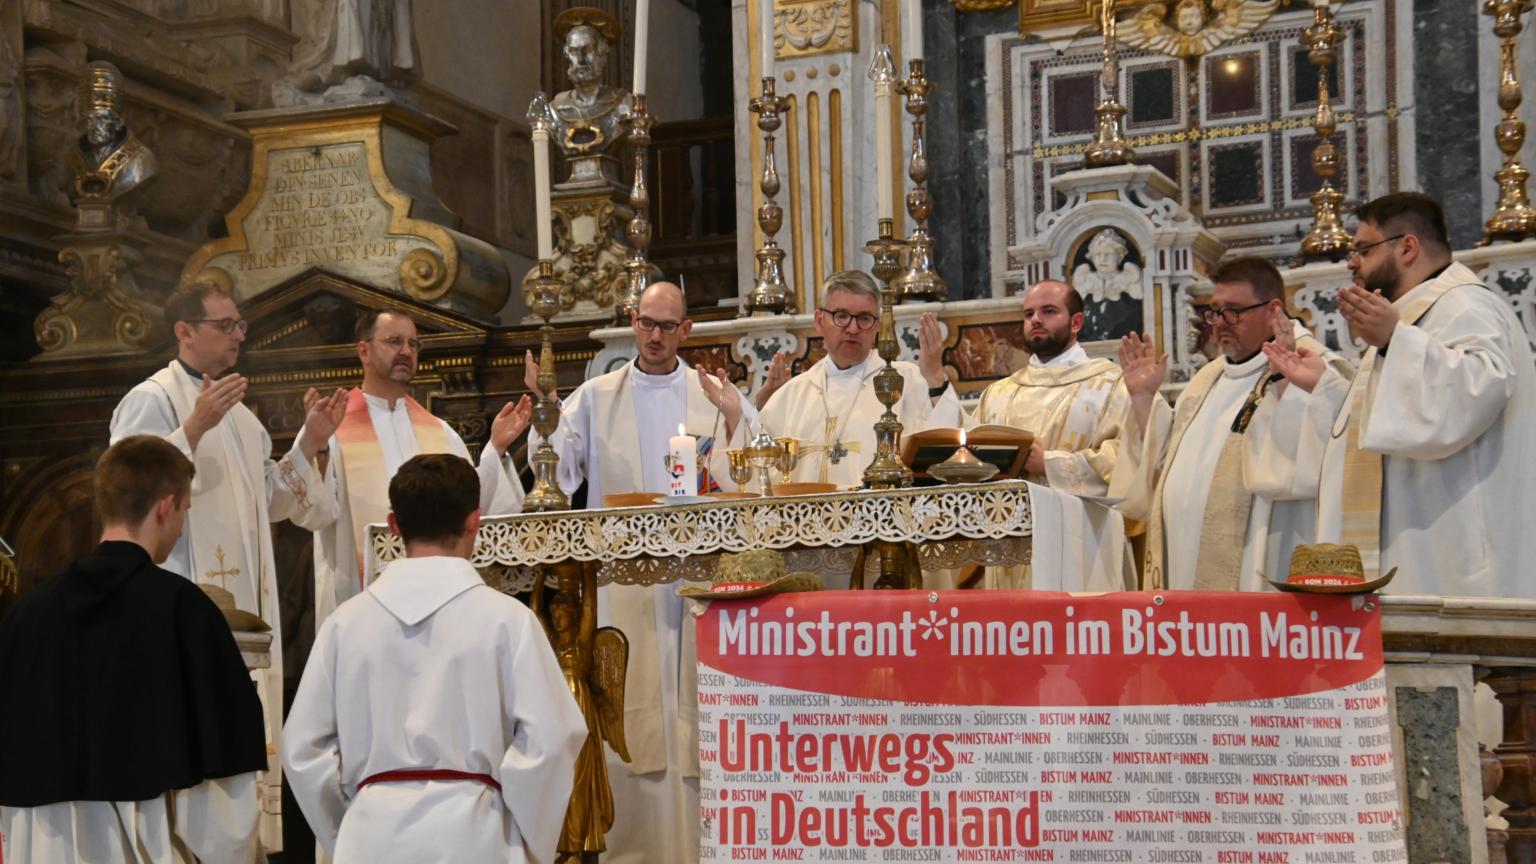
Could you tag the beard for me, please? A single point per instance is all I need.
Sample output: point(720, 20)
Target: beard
point(1383, 279)
point(1049, 344)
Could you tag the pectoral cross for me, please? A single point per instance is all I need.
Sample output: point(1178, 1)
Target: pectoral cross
point(836, 452)
point(222, 574)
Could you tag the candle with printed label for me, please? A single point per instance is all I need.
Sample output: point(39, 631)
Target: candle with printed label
point(683, 464)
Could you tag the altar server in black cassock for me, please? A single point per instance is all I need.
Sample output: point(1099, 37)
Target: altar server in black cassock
point(130, 729)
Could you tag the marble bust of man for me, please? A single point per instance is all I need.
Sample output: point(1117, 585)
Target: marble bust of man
point(1105, 276)
point(590, 117)
point(108, 161)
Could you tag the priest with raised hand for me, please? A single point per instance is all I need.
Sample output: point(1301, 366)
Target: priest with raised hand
point(433, 722)
point(831, 408)
point(130, 731)
point(195, 403)
point(1073, 404)
point(382, 428)
point(613, 434)
point(1181, 469)
point(1426, 460)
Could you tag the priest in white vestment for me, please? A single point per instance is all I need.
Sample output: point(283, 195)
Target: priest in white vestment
point(831, 407)
point(131, 730)
point(433, 723)
point(1074, 406)
point(238, 489)
point(383, 426)
point(613, 434)
point(1180, 469)
point(1427, 460)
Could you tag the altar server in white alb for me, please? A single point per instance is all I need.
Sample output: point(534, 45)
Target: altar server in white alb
point(613, 434)
point(1427, 460)
point(831, 407)
point(131, 731)
point(1073, 404)
point(238, 489)
point(1182, 468)
point(433, 723)
point(383, 426)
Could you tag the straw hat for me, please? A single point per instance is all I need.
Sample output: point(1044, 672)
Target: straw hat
point(239, 620)
point(1329, 569)
point(742, 575)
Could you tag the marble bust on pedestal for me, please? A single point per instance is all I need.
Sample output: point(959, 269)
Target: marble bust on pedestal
point(591, 117)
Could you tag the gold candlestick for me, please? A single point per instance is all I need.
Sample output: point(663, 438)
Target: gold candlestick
point(1327, 241)
point(920, 282)
point(1513, 218)
point(544, 299)
point(1109, 146)
point(887, 470)
point(639, 228)
point(771, 293)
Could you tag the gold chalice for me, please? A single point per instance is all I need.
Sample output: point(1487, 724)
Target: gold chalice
point(789, 456)
point(741, 468)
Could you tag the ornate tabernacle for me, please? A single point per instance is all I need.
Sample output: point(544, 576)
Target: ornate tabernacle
point(949, 525)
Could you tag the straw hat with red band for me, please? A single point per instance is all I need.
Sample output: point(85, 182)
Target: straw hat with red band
point(239, 620)
point(744, 575)
point(1327, 568)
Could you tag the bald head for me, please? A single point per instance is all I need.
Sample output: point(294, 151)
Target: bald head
point(1053, 315)
point(661, 324)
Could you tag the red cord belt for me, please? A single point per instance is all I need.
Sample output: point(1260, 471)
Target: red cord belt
point(406, 775)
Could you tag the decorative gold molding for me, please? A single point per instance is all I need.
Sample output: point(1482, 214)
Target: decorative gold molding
point(806, 28)
point(1191, 135)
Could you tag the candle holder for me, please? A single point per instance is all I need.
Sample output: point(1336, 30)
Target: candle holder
point(770, 293)
point(1109, 146)
point(763, 451)
point(1327, 240)
point(639, 229)
point(887, 471)
point(544, 291)
point(1513, 218)
point(963, 467)
point(920, 282)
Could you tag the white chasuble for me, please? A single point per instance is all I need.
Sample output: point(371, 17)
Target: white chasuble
point(613, 434)
point(1074, 409)
point(237, 492)
point(430, 668)
point(832, 412)
point(1450, 409)
point(375, 438)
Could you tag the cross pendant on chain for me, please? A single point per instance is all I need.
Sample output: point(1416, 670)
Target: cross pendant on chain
point(836, 452)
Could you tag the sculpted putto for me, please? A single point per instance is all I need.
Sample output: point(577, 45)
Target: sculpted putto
point(1106, 276)
point(1194, 31)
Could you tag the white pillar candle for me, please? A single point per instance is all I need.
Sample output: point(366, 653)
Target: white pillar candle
point(683, 463)
point(642, 36)
point(541, 191)
point(883, 147)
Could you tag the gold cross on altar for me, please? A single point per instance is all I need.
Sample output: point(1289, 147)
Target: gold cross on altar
point(222, 574)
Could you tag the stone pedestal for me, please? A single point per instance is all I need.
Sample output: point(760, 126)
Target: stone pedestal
point(102, 313)
point(347, 189)
point(589, 250)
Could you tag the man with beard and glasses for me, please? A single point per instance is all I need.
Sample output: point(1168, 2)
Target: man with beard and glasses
point(382, 428)
point(1073, 404)
point(1181, 469)
point(1426, 461)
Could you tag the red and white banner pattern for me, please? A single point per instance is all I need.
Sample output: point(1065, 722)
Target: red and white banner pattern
point(992, 726)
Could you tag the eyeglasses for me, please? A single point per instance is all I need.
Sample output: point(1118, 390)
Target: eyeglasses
point(1228, 316)
point(841, 317)
point(397, 343)
point(651, 325)
point(1359, 251)
point(225, 325)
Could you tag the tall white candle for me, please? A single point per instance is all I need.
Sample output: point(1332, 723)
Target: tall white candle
point(642, 36)
point(539, 123)
point(683, 463)
point(883, 73)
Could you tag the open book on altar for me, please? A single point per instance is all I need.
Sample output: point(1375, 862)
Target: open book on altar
point(1007, 447)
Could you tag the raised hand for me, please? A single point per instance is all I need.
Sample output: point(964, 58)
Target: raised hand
point(510, 422)
point(531, 374)
point(778, 375)
point(1299, 366)
point(322, 414)
point(930, 349)
point(722, 394)
point(1280, 325)
point(215, 400)
point(1371, 317)
point(1144, 367)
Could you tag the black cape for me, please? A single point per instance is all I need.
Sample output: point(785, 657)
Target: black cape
point(120, 681)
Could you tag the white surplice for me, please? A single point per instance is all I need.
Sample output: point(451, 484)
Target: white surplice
point(1452, 409)
point(613, 434)
point(829, 409)
point(440, 671)
point(1275, 527)
point(336, 576)
point(213, 821)
point(237, 492)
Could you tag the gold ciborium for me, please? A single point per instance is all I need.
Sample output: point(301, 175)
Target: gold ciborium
point(763, 451)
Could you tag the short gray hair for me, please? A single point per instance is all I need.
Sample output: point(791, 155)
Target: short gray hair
point(854, 282)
